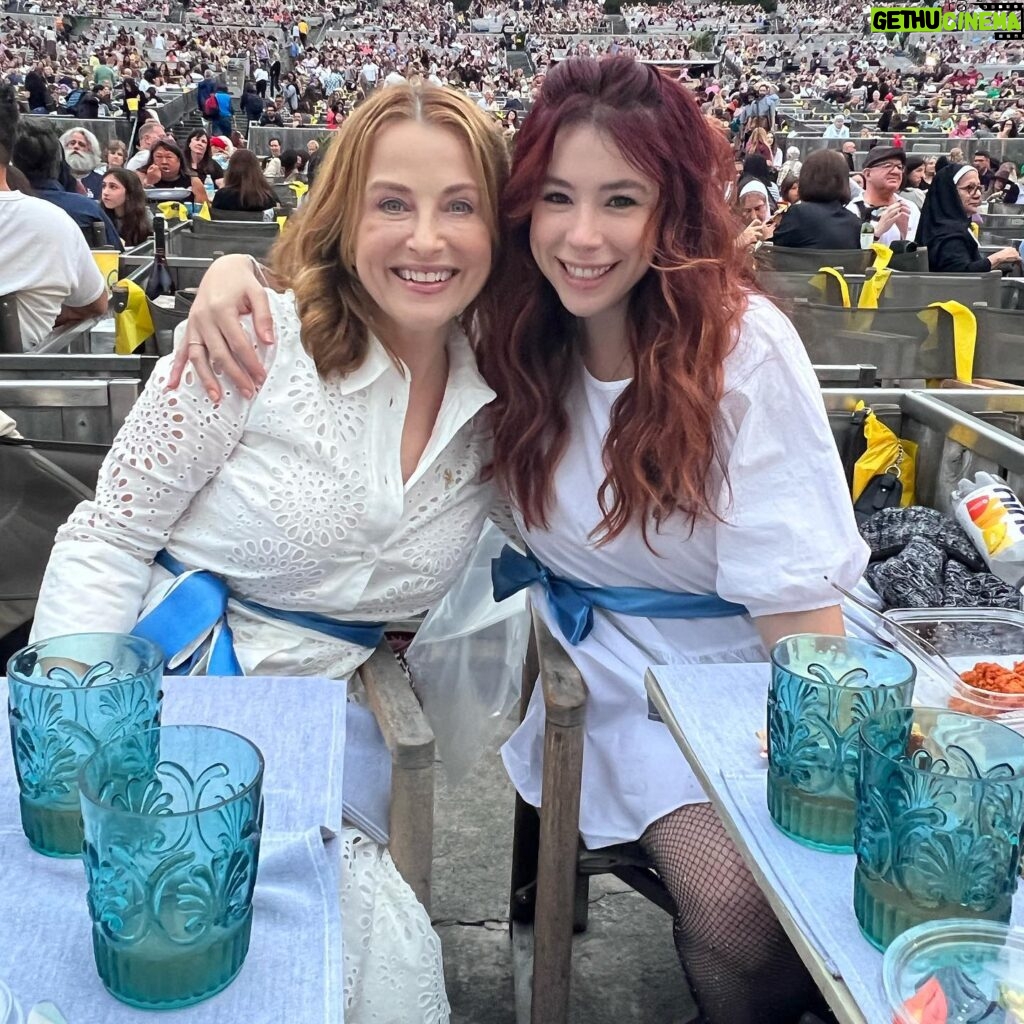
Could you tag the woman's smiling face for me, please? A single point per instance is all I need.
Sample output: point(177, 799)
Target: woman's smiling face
point(423, 244)
point(589, 226)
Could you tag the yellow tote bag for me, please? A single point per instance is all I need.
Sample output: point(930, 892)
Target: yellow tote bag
point(885, 452)
point(204, 212)
point(873, 287)
point(883, 254)
point(965, 338)
point(172, 211)
point(108, 265)
point(135, 324)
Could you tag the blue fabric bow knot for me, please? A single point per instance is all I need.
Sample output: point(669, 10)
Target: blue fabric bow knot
point(573, 603)
point(191, 619)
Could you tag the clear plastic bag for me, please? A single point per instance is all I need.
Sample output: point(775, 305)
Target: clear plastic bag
point(467, 660)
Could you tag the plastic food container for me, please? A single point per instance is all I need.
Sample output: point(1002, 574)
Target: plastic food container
point(10, 1011)
point(969, 963)
point(964, 636)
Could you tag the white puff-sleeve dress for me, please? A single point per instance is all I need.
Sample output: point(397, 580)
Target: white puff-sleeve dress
point(786, 524)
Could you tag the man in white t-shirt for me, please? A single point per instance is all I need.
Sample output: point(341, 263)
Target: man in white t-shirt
point(369, 74)
point(46, 261)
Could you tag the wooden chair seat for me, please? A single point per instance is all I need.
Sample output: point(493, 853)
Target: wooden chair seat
point(551, 868)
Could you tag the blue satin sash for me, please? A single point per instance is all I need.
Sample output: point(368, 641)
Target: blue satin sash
point(573, 603)
point(194, 612)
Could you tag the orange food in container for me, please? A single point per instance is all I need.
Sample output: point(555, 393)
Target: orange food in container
point(984, 645)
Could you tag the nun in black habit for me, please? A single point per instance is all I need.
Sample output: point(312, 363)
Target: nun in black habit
point(945, 228)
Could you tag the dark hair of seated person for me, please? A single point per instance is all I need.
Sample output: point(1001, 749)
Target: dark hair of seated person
point(824, 178)
point(245, 188)
point(755, 166)
point(791, 181)
point(37, 152)
point(134, 223)
point(821, 219)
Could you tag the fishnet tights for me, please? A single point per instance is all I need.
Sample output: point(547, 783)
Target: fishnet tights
point(739, 962)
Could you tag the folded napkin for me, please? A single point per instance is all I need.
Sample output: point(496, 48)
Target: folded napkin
point(366, 800)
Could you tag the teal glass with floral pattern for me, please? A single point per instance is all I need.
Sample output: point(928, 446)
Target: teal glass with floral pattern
point(67, 696)
point(940, 810)
point(172, 837)
point(822, 689)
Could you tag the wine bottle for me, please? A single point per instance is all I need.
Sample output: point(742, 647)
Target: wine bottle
point(160, 281)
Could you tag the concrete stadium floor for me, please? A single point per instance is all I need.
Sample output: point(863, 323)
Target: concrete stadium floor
point(625, 969)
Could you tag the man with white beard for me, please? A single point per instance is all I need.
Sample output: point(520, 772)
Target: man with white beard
point(83, 156)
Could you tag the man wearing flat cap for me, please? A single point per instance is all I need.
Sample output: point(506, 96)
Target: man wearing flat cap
point(893, 218)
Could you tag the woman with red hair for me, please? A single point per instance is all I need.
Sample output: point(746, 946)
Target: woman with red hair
point(660, 432)
point(658, 425)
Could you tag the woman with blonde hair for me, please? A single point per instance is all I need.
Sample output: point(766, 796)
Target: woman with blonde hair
point(759, 145)
point(342, 493)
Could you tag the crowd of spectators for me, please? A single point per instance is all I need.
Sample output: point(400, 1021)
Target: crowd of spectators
point(314, 66)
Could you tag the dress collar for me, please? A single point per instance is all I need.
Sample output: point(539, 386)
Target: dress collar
point(464, 378)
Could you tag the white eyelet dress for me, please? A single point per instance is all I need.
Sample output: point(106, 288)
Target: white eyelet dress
point(295, 498)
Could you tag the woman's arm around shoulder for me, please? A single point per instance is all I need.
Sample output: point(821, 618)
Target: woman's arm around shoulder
point(233, 287)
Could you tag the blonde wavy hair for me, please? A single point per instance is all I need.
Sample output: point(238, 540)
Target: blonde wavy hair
point(316, 255)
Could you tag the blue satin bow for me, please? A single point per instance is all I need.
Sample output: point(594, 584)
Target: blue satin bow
point(573, 603)
point(194, 611)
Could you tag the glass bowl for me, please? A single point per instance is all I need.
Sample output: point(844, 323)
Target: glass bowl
point(973, 962)
point(965, 637)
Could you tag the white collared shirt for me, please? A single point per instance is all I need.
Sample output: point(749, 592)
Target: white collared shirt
point(294, 497)
point(893, 234)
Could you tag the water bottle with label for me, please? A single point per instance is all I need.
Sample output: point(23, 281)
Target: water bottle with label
point(993, 517)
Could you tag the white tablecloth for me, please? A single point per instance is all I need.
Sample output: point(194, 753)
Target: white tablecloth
point(719, 708)
point(293, 971)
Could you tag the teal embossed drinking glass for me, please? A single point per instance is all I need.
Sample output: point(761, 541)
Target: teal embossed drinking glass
point(67, 696)
point(172, 838)
point(940, 809)
point(822, 688)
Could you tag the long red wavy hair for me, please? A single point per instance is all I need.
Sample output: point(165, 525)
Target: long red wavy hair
point(661, 444)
